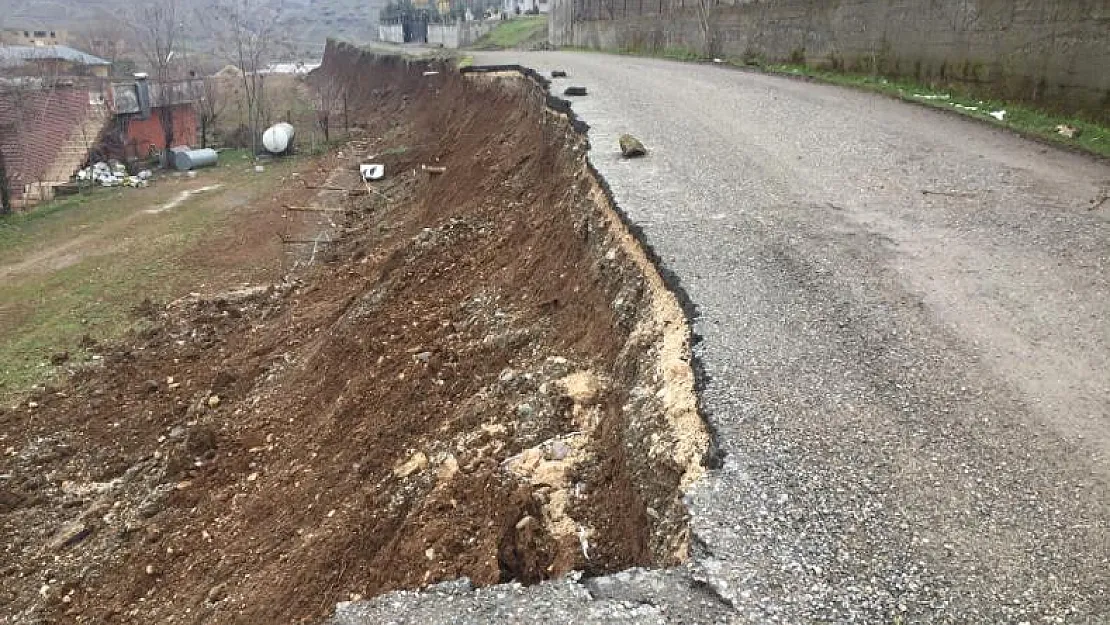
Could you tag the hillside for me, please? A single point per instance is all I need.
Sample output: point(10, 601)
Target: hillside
point(309, 22)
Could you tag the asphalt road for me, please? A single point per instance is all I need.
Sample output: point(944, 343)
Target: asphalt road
point(906, 328)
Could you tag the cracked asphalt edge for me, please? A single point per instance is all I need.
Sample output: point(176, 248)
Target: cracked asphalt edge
point(679, 595)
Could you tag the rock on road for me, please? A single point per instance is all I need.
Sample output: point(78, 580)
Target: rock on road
point(905, 322)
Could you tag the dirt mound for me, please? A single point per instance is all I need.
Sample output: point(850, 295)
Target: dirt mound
point(479, 374)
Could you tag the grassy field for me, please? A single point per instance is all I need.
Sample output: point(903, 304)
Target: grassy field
point(514, 33)
point(79, 266)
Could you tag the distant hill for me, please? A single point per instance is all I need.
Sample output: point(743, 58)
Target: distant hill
point(308, 22)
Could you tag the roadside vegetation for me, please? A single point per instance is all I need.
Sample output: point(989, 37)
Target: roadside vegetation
point(1023, 118)
point(522, 31)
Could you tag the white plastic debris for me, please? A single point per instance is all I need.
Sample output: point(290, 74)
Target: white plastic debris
point(999, 115)
point(372, 171)
point(112, 175)
point(925, 96)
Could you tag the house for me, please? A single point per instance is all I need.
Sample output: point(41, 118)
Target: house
point(516, 7)
point(33, 37)
point(46, 133)
point(142, 106)
point(52, 60)
point(50, 128)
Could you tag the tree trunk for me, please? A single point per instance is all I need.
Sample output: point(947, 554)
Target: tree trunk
point(5, 192)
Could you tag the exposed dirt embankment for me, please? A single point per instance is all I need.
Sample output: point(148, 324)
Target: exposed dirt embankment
point(482, 375)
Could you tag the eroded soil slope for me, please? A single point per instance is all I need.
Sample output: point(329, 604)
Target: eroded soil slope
point(479, 374)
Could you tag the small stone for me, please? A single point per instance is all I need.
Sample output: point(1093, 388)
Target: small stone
point(424, 357)
point(558, 73)
point(150, 569)
point(217, 593)
point(70, 534)
point(448, 469)
point(574, 91)
point(150, 386)
point(252, 477)
point(418, 462)
point(559, 450)
point(631, 147)
point(525, 410)
point(430, 553)
point(59, 358)
point(213, 401)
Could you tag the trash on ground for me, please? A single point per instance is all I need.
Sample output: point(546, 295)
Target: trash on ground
point(434, 169)
point(964, 107)
point(278, 139)
point(112, 174)
point(631, 147)
point(1070, 132)
point(258, 169)
point(999, 115)
point(372, 171)
point(718, 60)
point(927, 96)
point(558, 73)
point(430, 73)
point(574, 91)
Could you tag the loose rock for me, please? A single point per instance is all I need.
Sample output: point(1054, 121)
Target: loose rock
point(70, 534)
point(631, 147)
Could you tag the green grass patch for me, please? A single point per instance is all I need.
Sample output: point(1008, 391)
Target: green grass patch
point(514, 33)
point(83, 263)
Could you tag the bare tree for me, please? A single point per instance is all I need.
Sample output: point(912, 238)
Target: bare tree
point(158, 33)
point(106, 39)
point(328, 98)
point(247, 34)
point(212, 103)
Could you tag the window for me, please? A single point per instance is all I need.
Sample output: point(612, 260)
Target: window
point(40, 33)
point(52, 35)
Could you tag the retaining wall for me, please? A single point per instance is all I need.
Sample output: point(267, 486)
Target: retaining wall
point(391, 33)
point(456, 35)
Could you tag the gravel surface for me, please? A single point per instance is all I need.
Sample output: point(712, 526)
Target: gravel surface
point(905, 333)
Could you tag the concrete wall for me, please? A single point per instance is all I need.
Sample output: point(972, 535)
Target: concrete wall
point(1054, 52)
point(391, 33)
point(457, 35)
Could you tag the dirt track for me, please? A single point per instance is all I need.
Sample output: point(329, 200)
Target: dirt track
point(484, 378)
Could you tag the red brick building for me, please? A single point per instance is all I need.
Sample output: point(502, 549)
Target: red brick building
point(140, 107)
point(45, 135)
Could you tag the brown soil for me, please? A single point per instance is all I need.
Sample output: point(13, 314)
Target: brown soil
point(481, 376)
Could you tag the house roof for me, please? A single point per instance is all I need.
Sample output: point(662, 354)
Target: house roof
point(14, 56)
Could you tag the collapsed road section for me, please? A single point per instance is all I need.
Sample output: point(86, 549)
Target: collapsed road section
point(476, 373)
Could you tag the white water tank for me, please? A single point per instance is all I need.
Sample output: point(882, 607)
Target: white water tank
point(278, 138)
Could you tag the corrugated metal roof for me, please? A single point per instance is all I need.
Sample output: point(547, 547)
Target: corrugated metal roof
point(12, 56)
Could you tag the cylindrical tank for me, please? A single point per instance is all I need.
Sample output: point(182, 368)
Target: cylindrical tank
point(278, 138)
point(194, 159)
